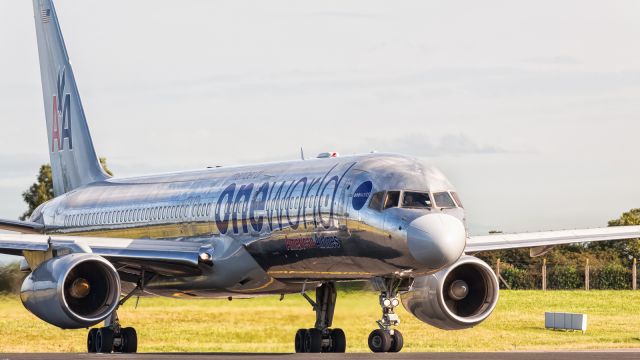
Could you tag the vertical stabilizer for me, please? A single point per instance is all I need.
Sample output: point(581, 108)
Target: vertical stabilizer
point(73, 159)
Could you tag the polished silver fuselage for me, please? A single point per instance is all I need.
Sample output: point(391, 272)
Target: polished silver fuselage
point(272, 227)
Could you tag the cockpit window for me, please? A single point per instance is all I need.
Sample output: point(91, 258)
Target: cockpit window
point(376, 201)
point(416, 200)
point(392, 199)
point(457, 199)
point(443, 200)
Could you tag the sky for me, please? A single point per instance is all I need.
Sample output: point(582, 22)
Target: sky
point(532, 109)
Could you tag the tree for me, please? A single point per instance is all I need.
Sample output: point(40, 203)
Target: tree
point(42, 190)
point(103, 163)
point(39, 192)
point(628, 249)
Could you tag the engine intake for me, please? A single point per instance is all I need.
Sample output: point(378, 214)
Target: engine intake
point(72, 291)
point(458, 297)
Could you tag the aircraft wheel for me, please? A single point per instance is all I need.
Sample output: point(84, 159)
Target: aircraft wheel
point(129, 340)
point(301, 336)
point(91, 340)
point(104, 340)
point(379, 341)
point(397, 342)
point(313, 343)
point(338, 341)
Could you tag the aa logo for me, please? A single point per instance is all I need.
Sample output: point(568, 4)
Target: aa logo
point(61, 121)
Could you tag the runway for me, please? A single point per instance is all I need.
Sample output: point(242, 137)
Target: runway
point(547, 355)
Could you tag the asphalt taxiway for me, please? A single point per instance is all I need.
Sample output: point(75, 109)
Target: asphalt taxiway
point(546, 355)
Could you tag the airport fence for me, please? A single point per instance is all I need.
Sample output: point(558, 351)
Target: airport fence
point(549, 276)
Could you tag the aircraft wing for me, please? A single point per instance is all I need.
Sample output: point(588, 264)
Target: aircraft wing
point(165, 257)
point(542, 241)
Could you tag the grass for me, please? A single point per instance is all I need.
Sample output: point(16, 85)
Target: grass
point(268, 325)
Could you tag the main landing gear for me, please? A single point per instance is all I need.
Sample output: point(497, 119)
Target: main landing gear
point(387, 339)
point(321, 338)
point(112, 337)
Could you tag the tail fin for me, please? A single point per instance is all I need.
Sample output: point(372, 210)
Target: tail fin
point(73, 159)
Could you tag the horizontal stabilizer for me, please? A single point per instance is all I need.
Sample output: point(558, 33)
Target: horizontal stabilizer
point(25, 227)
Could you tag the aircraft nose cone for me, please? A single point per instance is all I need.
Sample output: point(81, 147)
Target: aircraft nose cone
point(436, 240)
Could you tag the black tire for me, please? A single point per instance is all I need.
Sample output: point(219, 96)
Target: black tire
point(379, 341)
point(129, 340)
point(314, 341)
point(301, 336)
point(104, 340)
point(397, 341)
point(91, 340)
point(338, 341)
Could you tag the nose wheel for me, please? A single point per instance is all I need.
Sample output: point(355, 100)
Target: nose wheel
point(386, 339)
point(381, 341)
point(321, 338)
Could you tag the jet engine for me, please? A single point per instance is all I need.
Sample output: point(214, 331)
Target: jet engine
point(458, 297)
point(72, 291)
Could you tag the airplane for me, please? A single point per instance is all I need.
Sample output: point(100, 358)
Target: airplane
point(251, 230)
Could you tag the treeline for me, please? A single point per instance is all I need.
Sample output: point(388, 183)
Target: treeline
point(568, 277)
point(11, 278)
point(610, 263)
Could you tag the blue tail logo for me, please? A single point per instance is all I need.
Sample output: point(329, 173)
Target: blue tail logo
point(61, 115)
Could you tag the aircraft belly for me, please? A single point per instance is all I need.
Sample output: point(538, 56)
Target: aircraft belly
point(324, 255)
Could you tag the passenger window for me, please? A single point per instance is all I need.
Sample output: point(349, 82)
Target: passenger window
point(416, 200)
point(457, 199)
point(444, 200)
point(376, 201)
point(392, 199)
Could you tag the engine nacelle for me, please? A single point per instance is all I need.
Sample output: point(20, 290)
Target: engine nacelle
point(458, 297)
point(72, 291)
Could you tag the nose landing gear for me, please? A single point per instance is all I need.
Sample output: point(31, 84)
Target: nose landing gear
point(387, 339)
point(321, 338)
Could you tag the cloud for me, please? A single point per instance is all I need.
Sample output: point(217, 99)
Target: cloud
point(425, 146)
point(552, 60)
point(21, 165)
point(345, 14)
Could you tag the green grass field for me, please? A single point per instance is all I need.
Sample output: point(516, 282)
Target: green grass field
point(268, 325)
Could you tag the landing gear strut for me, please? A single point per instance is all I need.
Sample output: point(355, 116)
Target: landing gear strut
point(321, 338)
point(112, 337)
point(387, 339)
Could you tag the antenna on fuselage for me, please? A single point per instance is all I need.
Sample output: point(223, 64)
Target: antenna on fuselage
point(301, 153)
